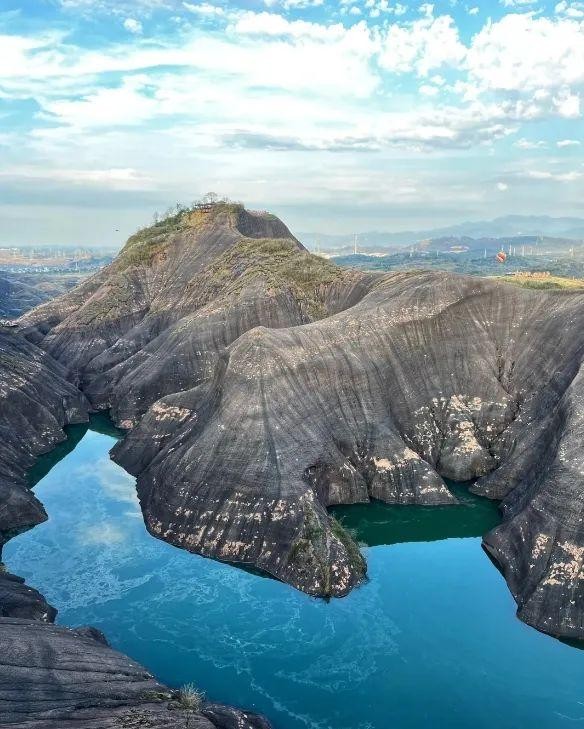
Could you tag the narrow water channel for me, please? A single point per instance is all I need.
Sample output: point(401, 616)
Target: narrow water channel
point(431, 640)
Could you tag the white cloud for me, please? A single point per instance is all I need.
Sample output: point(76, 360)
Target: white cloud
point(571, 176)
point(116, 178)
point(103, 534)
point(260, 90)
point(378, 7)
point(429, 90)
point(570, 10)
point(115, 7)
point(568, 143)
point(530, 144)
point(422, 46)
point(133, 26)
point(567, 104)
point(298, 4)
point(502, 186)
point(205, 9)
point(523, 53)
point(517, 3)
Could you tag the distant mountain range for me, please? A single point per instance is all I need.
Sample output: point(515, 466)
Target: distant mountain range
point(503, 227)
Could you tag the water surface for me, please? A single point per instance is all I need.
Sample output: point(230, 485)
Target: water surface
point(431, 640)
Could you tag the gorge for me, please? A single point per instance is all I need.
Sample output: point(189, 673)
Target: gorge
point(259, 386)
point(433, 620)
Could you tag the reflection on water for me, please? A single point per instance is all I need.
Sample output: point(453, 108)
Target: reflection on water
point(381, 524)
point(429, 641)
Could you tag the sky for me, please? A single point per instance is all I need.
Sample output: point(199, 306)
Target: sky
point(341, 116)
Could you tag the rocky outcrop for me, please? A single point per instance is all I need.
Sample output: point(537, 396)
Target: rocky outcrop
point(36, 401)
point(50, 676)
point(261, 385)
point(540, 544)
point(18, 600)
point(157, 320)
point(428, 376)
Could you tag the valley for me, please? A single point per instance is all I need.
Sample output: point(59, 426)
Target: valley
point(261, 391)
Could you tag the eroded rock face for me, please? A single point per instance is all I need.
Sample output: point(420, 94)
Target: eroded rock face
point(540, 544)
point(36, 401)
point(18, 600)
point(50, 676)
point(261, 385)
point(429, 375)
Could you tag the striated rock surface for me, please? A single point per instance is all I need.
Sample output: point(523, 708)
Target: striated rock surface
point(50, 676)
point(261, 384)
point(53, 677)
point(36, 401)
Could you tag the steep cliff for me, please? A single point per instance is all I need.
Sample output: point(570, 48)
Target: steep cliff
point(52, 676)
point(261, 384)
point(36, 401)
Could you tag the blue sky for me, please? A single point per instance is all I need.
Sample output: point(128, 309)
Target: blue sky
point(338, 116)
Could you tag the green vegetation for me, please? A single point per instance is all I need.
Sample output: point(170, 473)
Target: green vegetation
point(143, 247)
point(549, 282)
point(350, 545)
point(313, 547)
point(276, 265)
point(157, 696)
point(281, 264)
point(471, 263)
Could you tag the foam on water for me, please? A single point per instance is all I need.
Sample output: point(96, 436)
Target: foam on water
point(430, 640)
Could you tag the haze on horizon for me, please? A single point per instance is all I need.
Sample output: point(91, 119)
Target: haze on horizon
point(337, 116)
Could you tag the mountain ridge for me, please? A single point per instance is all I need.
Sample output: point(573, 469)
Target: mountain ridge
point(502, 227)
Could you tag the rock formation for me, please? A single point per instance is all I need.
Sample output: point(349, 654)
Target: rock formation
point(53, 676)
point(261, 384)
point(36, 401)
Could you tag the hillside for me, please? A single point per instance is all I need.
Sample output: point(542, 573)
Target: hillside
point(261, 385)
point(156, 319)
point(21, 292)
point(541, 281)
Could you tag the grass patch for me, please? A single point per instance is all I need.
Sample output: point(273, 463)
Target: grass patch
point(312, 550)
point(543, 283)
point(355, 556)
point(281, 265)
point(142, 247)
point(190, 698)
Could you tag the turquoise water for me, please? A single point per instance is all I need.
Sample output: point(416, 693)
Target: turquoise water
point(431, 640)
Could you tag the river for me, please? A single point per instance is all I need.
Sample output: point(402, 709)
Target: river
point(430, 640)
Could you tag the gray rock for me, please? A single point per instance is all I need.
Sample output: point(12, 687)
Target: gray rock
point(52, 677)
point(36, 401)
point(18, 600)
point(262, 384)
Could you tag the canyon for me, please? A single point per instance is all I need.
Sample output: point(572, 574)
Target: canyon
point(260, 385)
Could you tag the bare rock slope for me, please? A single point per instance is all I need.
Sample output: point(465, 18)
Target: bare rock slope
point(53, 677)
point(50, 676)
point(261, 385)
